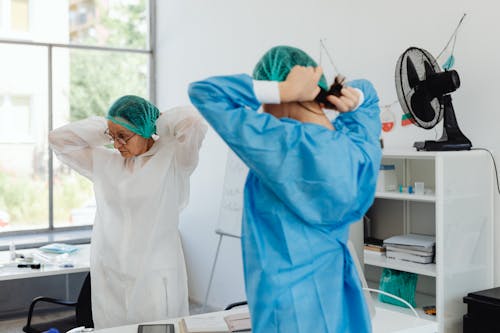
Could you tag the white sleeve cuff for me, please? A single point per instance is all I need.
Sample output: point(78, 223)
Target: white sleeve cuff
point(361, 98)
point(267, 92)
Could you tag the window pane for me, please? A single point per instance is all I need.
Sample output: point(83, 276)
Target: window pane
point(85, 84)
point(23, 138)
point(115, 23)
point(15, 110)
point(19, 15)
point(120, 23)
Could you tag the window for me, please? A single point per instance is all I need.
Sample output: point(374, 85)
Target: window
point(118, 23)
point(23, 126)
point(36, 190)
point(96, 78)
point(15, 118)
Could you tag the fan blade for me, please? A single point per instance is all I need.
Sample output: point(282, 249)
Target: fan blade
point(422, 108)
point(429, 70)
point(411, 72)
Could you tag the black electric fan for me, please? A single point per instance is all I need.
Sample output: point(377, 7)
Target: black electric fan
point(424, 94)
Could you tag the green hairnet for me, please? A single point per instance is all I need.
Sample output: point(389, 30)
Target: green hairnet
point(136, 114)
point(279, 61)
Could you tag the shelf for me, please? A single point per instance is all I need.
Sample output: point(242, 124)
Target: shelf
point(405, 196)
point(408, 153)
point(406, 266)
point(411, 153)
point(420, 299)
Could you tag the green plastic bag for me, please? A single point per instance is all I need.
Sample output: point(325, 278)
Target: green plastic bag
point(398, 283)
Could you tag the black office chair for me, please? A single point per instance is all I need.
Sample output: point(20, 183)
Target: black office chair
point(233, 305)
point(82, 316)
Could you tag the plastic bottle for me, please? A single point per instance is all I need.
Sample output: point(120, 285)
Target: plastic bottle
point(387, 181)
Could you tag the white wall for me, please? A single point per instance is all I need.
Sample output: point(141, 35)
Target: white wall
point(201, 38)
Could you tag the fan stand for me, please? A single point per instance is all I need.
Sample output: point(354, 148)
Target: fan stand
point(452, 138)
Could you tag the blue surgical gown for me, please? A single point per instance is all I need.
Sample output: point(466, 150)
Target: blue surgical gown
point(306, 184)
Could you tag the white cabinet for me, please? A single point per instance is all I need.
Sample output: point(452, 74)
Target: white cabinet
point(458, 211)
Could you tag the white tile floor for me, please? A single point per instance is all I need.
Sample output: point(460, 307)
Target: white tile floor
point(16, 325)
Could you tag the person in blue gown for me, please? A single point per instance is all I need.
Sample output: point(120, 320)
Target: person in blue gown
point(309, 179)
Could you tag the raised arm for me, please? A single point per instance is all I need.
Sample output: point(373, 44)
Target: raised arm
point(230, 105)
point(189, 129)
point(364, 122)
point(74, 142)
point(333, 171)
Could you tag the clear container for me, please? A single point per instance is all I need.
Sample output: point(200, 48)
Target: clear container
point(387, 181)
point(419, 188)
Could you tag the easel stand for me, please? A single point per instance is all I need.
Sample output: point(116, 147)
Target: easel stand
point(221, 234)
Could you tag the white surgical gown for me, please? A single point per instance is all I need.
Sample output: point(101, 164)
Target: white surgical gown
point(137, 264)
point(306, 184)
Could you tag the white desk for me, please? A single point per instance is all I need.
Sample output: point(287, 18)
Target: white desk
point(385, 321)
point(80, 260)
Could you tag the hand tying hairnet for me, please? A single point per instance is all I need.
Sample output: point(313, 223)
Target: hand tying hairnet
point(136, 114)
point(276, 63)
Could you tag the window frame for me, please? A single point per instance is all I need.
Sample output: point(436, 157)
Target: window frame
point(150, 50)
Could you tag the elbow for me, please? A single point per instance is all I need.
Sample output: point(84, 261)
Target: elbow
point(204, 91)
point(192, 89)
point(57, 139)
point(196, 93)
point(204, 96)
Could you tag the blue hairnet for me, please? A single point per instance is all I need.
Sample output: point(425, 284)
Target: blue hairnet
point(136, 114)
point(276, 63)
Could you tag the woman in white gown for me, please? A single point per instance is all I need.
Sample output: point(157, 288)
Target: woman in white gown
point(137, 265)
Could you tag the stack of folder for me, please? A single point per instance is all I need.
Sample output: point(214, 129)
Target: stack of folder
point(374, 246)
point(412, 247)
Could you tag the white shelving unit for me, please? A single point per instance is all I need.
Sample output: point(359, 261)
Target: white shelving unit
point(459, 214)
point(405, 196)
point(382, 261)
point(421, 298)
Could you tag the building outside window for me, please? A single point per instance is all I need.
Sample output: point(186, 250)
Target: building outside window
point(19, 19)
point(47, 81)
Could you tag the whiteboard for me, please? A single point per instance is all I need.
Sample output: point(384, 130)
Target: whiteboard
point(231, 207)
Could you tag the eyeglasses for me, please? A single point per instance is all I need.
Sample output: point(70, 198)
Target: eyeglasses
point(119, 139)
